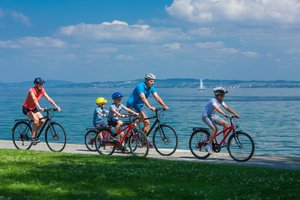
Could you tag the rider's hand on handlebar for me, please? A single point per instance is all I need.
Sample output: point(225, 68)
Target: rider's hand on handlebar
point(237, 116)
point(58, 108)
point(152, 108)
point(227, 116)
point(41, 109)
point(166, 108)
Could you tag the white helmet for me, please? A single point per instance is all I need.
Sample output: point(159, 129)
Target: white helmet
point(219, 90)
point(150, 76)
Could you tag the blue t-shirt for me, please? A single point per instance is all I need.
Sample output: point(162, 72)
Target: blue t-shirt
point(209, 109)
point(98, 118)
point(135, 98)
point(111, 114)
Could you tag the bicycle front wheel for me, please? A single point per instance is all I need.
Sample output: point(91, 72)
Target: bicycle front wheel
point(240, 146)
point(165, 140)
point(105, 144)
point(90, 140)
point(138, 144)
point(55, 137)
point(21, 135)
point(198, 140)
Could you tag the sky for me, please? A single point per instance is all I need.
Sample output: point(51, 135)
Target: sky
point(112, 40)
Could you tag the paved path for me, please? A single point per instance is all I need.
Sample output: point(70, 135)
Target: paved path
point(183, 155)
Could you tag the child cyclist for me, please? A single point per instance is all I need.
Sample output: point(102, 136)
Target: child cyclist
point(115, 112)
point(99, 113)
point(211, 119)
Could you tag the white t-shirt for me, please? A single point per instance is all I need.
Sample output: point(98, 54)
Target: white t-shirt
point(209, 109)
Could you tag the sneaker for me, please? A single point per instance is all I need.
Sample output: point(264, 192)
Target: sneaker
point(208, 148)
point(150, 145)
point(35, 141)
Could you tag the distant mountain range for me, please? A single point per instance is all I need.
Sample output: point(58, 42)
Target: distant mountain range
point(165, 83)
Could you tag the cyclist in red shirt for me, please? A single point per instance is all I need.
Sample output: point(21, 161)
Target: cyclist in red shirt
point(32, 108)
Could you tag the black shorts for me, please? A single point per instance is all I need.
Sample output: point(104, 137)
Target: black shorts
point(113, 122)
point(25, 110)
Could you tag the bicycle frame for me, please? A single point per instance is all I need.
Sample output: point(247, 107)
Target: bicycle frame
point(229, 129)
point(157, 120)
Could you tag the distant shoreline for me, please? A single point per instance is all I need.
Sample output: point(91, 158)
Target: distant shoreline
point(162, 83)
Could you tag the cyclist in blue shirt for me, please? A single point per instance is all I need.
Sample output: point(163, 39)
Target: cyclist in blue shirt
point(139, 96)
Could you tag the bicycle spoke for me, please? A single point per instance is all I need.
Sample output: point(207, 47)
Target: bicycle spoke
point(165, 140)
point(55, 137)
point(21, 135)
point(240, 146)
point(197, 143)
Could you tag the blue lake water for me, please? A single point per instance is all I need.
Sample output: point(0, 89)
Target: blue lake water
point(271, 116)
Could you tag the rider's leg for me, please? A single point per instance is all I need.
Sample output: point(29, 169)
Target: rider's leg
point(146, 123)
point(35, 123)
point(117, 128)
point(41, 121)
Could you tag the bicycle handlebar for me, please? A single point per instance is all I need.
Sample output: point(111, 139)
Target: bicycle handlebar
point(50, 109)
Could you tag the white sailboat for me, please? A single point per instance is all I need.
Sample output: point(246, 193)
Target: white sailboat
point(201, 86)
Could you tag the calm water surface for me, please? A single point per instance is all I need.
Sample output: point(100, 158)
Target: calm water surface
point(270, 116)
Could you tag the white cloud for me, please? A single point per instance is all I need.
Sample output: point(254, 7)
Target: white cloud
point(272, 11)
point(172, 46)
point(20, 17)
point(250, 54)
point(33, 42)
point(125, 58)
point(117, 31)
point(209, 45)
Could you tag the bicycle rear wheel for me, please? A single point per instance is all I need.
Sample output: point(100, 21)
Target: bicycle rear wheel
point(55, 137)
point(105, 144)
point(198, 141)
point(138, 144)
point(240, 146)
point(90, 140)
point(165, 140)
point(21, 135)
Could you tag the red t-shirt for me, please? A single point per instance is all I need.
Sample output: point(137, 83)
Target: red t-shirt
point(29, 103)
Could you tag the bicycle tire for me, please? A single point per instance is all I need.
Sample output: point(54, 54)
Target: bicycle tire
point(90, 140)
point(165, 140)
point(55, 137)
point(198, 141)
point(107, 145)
point(138, 144)
point(240, 146)
point(21, 136)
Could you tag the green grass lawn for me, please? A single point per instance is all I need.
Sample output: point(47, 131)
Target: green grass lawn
point(46, 175)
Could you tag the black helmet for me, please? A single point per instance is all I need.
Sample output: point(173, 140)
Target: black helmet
point(38, 80)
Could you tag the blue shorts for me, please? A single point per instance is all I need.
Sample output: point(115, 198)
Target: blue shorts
point(113, 122)
point(138, 108)
point(101, 124)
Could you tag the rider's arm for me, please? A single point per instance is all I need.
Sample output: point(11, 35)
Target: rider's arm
point(231, 111)
point(130, 111)
point(36, 102)
point(220, 110)
point(50, 100)
point(160, 101)
point(146, 102)
point(117, 113)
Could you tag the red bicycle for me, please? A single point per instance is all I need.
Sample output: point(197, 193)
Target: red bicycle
point(240, 145)
point(106, 142)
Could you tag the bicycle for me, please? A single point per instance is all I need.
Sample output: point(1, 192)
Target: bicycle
point(106, 143)
point(165, 139)
point(240, 145)
point(90, 137)
point(55, 135)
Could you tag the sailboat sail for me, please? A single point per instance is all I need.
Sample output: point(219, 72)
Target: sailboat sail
point(201, 87)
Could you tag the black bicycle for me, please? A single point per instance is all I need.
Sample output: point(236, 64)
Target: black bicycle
point(55, 135)
point(165, 139)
